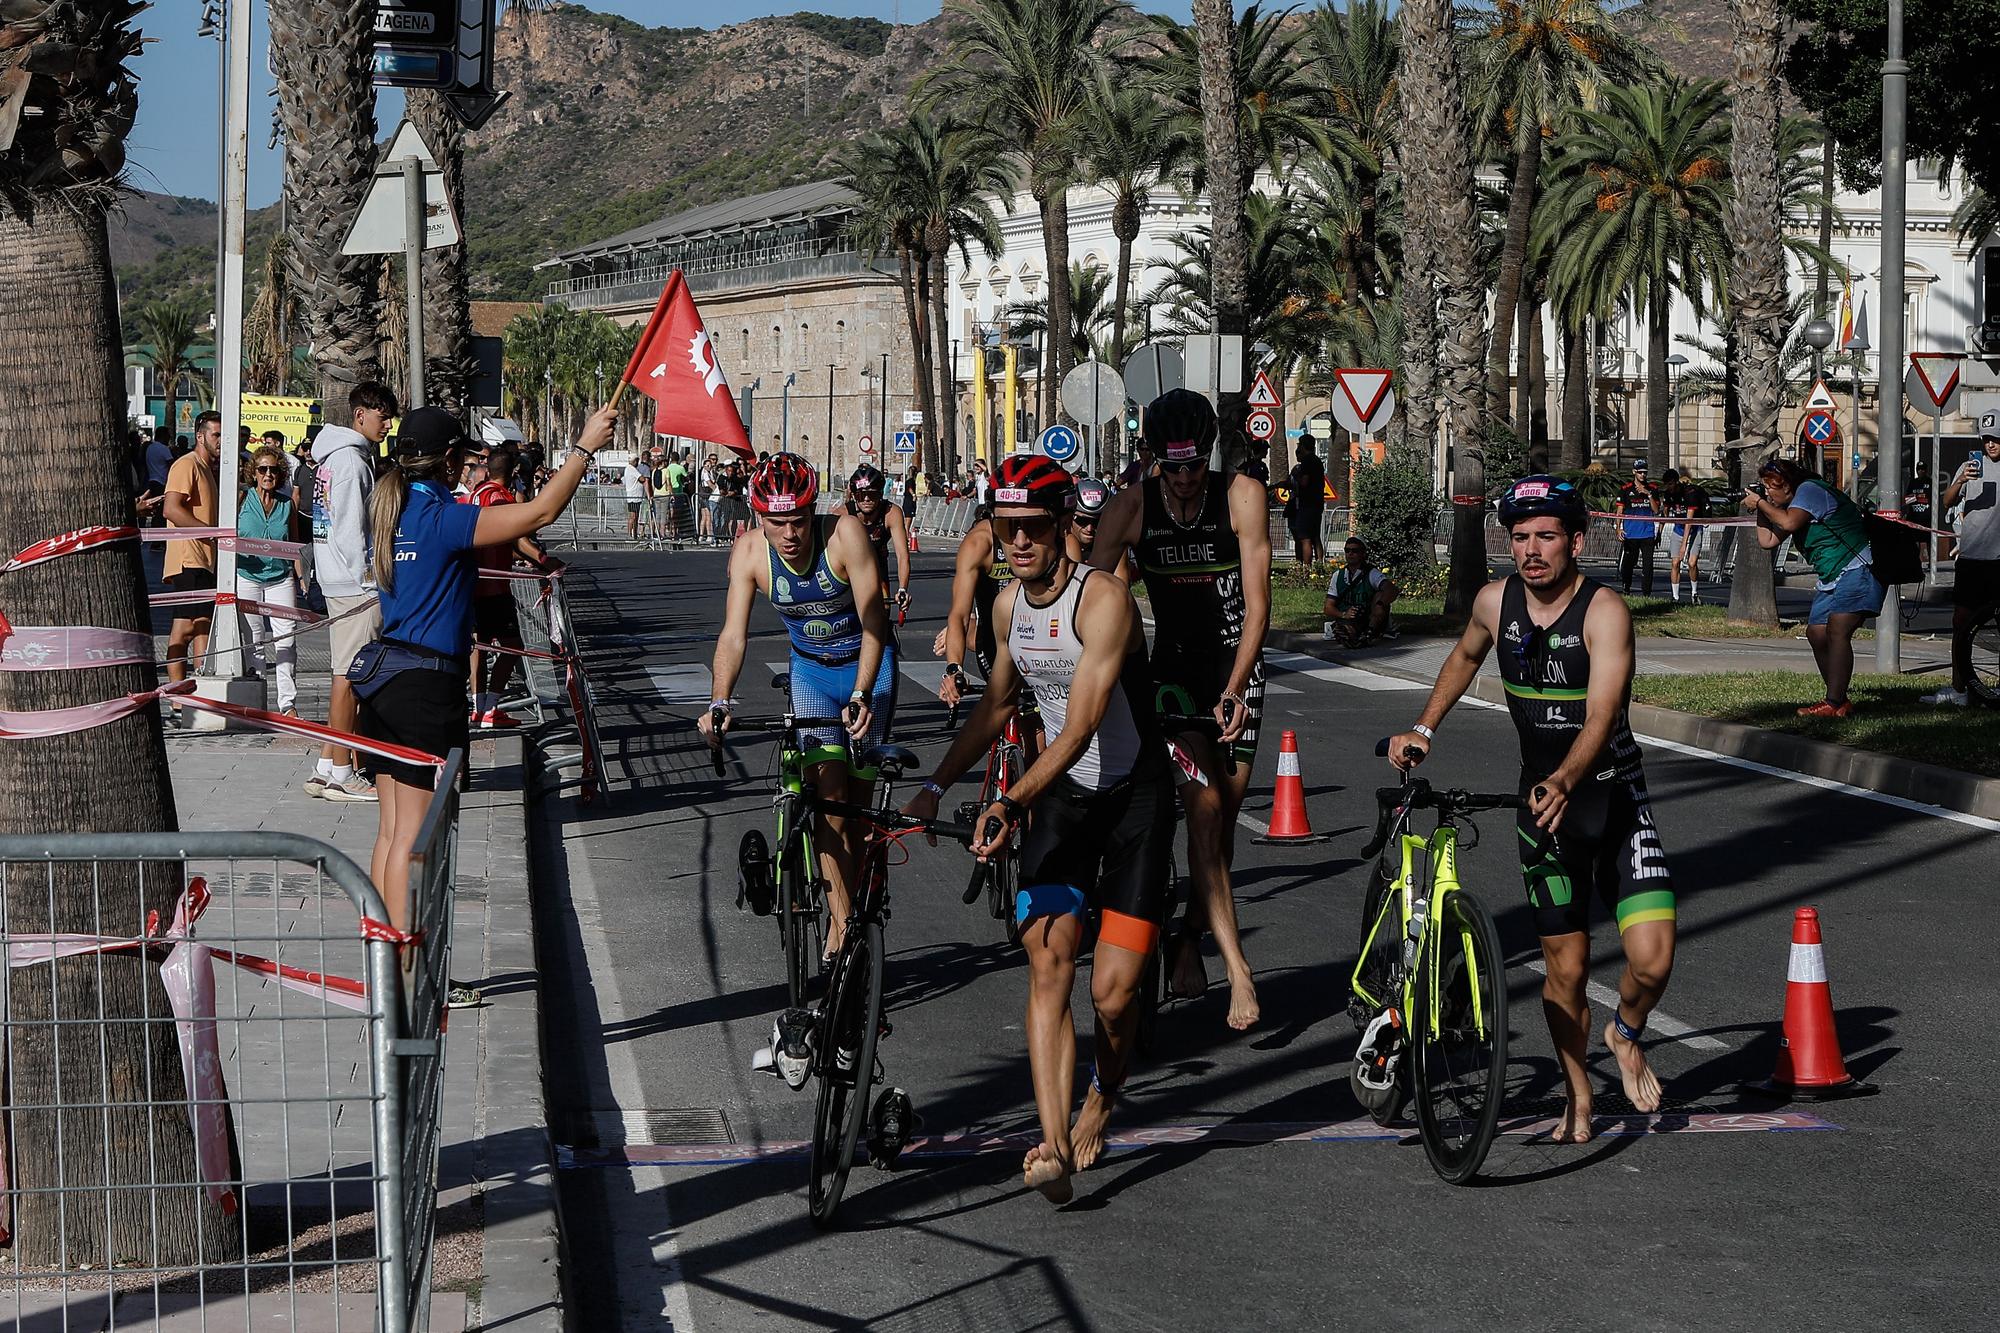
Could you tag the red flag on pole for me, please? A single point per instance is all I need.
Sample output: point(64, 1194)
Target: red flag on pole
point(674, 365)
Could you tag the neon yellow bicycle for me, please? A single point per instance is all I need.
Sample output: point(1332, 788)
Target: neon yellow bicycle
point(1430, 986)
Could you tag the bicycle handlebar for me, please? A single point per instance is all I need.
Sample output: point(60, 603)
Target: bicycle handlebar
point(887, 817)
point(1418, 794)
point(1201, 726)
point(777, 724)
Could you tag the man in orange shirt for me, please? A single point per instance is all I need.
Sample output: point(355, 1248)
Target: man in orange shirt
point(190, 565)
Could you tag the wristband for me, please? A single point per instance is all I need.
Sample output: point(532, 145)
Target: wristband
point(953, 669)
point(931, 786)
point(1424, 731)
point(1010, 805)
point(858, 697)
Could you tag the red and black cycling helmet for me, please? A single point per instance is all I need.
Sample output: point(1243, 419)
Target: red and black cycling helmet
point(784, 484)
point(867, 480)
point(1032, 480)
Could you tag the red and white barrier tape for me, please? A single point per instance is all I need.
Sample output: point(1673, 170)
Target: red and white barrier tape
point(70, 647)
point(226, 537)
point(274, 610)
point(318, 731)
point(1663, 518)
point(41, 723)
point(69, 543)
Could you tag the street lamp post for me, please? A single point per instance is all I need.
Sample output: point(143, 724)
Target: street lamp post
point(1889, 396)
point(829, 424)
point(1676, 364)
point(1818, 335)
point(882, 430)
point(785, 415)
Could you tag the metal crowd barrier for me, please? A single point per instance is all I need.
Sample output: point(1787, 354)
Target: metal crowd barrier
point(560, 630)
point(220, 1101)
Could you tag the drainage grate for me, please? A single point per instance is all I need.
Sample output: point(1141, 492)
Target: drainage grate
point(663, 1127)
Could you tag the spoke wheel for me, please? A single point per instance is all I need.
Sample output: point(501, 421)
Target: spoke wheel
point(1381, 972)
point(1461, 1034)
point(1985, 682)
point(846, 1067)
point(799, 923)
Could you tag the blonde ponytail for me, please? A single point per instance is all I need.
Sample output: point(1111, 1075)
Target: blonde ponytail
point(385, 512)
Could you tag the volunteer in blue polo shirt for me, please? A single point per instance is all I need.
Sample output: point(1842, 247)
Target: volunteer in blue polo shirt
point(411, 682)
point(1639, 534)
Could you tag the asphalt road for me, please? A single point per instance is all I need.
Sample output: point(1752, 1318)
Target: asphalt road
point(659, 991)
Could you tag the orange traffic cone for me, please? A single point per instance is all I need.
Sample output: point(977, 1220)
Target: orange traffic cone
point(1810, 1066)
point(1288, 799)
point(914, 548)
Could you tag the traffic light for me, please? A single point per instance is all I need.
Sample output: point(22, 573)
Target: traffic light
point(1131, 417)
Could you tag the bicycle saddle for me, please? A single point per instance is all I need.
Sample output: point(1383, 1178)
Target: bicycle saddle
point(891, 761)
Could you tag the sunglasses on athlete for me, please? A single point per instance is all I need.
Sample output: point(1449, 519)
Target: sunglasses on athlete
point(1036, 528)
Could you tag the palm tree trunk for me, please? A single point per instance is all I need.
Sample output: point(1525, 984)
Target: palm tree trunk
point(1416, 301)
point(1434, 116)
point(1757, 271)
point(59, 381)
point(321, 53)
point(1057, 354)
point(1524, 386)
point(1507, 292)
point(1535, 413)
point(1576, 400)
point(449, 366)
point(916, 307)
point(947, 400)
point(1659, 410)
point(1124, 226)
point(1229, 242)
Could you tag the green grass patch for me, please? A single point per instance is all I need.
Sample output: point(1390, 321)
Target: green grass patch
point(1887, 719)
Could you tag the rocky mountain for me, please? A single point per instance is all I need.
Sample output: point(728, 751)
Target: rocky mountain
point(613, 124)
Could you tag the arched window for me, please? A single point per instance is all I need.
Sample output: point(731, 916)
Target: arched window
point(840, 340)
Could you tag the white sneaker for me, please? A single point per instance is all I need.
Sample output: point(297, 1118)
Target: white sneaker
point(1946, 697)
point(356, 788)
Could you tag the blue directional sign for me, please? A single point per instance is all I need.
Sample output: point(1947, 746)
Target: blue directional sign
point(1059, 443)
point(906, 441)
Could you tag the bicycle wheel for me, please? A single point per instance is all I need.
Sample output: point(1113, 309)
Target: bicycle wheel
point(1460, 1029)
point(1985, 683)
point(798, 921)
point(846, 1065)
point(1152, 981)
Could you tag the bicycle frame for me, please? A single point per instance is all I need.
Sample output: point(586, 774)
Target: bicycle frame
point(1421, 897)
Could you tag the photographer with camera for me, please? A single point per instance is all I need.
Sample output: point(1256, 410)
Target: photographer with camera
point(1975, 581)
point(1831, 534)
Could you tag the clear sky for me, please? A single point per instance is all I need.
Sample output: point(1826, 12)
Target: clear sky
point(173, 148)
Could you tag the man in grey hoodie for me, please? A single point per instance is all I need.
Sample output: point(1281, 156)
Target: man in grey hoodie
point(344, 473)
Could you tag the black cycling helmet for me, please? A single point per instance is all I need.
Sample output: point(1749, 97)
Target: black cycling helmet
point(1543, 496)
point(867, 480)
point(1180, 427)
point(1091, 496)
point(1033, 479)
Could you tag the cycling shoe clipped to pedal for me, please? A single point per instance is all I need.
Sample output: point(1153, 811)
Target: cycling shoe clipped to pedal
point(789, 1055)
point(891, 1125)
point(1377, 1075)
point(754, 883)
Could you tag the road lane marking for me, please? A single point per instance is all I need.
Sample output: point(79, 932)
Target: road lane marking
point(682, 684)
point(1526, 1126)
point(1298, 664)
point(1658, 1022)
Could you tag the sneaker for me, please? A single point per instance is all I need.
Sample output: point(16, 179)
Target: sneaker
point(497, 717)
point(1947, 697)
point(316, 785)
point(461, 996)
point(1824, 708)
point(356, 788)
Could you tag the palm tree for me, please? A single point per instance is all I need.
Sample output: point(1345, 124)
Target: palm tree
point(1757, 267)
point(1637, 198)
point(1227, 170)
point(62, 148)
point(1441, 232)
point(885, 220)
point(1129, 141)
point(1022, 72)
point(1278, 107)
point(322, 56)
point(528, 358)
point(169, 327)
point(267, 329)
point(1354, 55)
point(1532, 61)
point(1092, 314)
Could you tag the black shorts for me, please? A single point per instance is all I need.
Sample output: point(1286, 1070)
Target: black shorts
point(191, 580)
point(496, 620)
point(1975, 583)
point(1608, 847)
point(424, 710)
point(1192, 687)
point(1305, 523)
point(1105, 850)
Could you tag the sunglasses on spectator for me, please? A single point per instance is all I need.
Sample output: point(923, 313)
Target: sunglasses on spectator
point(266, 470)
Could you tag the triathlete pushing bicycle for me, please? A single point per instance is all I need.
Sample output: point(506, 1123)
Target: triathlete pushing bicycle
point(1102, 798)
point(822, 578)
point(1588, 828)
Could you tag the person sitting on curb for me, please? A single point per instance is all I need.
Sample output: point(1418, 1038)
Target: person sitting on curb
point(1830, 533)
point(1357, 600)
point(1975, 579)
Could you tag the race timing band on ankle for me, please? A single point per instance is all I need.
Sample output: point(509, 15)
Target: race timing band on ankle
point(1626, 1030)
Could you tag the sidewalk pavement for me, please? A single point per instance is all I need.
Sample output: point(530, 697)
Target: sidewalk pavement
point(496, 1260)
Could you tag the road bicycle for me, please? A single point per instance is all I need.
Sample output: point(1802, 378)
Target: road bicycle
point(787, 883)
point(1984, 686)
point(837, 1038)
point(1430, 986)
point(1156, 982)
point(999, 875)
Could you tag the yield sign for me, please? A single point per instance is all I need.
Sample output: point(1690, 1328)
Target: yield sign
point(1819, 400)
point(1364, 388)
point(1937, 373)
point(1262, 392)
point(1819, 428)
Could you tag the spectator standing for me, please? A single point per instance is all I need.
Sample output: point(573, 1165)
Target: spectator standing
point(981, 483)
point(190, 565)
point(1830, 533)
point(1306, 510)
point(1638, 533)
point(1684, 499)
point(1976, 571)
point(638, 489)
point(680, 496)
point(268, 513)
point(495, 612)
point(344, 483)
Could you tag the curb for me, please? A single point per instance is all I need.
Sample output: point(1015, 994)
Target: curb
point(1889, 775)
point(521, 1287)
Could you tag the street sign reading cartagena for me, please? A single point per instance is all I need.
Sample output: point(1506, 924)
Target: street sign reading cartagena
point(442, 44)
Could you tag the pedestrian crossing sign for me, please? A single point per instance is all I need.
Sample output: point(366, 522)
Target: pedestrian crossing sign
point(906, 441)
point(1262, 392)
